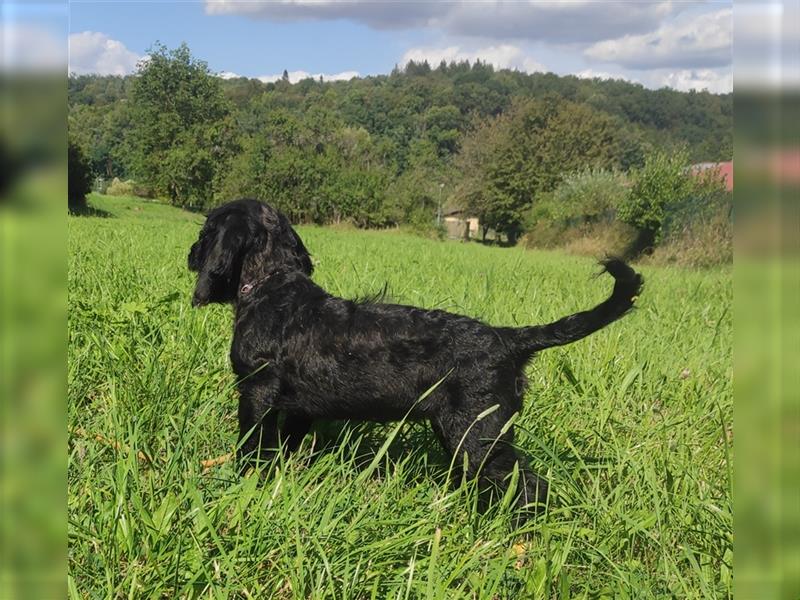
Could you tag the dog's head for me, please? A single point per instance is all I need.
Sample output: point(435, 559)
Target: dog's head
point(243, 239)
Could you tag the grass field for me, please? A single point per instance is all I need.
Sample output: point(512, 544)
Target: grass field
point(632, 427)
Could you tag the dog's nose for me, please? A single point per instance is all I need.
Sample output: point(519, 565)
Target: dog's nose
point(197, 302)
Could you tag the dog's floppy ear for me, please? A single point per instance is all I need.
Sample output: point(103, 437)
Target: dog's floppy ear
point(217, 258)
point(284, 247)
point(301, 254)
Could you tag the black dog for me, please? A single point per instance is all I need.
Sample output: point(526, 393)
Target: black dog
point(306, 354)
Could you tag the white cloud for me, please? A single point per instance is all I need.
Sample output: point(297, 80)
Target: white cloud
point(592, 74)
point(555, 20)
point(29, 47)
point(714, 81)
point(530, 65)
point(702, 41)
point(504, 56)
point(228, 75)
point(94, 52)
point(295, 76)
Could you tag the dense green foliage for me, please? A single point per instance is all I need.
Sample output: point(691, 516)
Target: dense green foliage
point(314, 169)
point(525, 153)
point(632, 427)
point(380, 150)
point(179, 136)
point(659, 188)
point(633, 213)
point(587, 196)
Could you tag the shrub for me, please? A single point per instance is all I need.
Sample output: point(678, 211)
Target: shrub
point(588, 239)
point(588, 196)
point(429, 230)
point(698, 233)
point(678, 217)
point(661, 182)
point(120, 188)
point(600, 239)
point(544, 233)
point(662, 188)
point(143, 191)
point(569, 212)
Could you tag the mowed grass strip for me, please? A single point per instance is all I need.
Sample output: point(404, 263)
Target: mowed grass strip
point(632, 426)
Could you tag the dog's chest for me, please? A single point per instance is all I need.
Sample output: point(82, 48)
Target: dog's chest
point(254, 348)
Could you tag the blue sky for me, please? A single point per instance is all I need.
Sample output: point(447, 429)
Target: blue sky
point(243, 45)
point(678, 44)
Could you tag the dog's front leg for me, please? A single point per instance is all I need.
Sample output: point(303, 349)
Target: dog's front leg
point(294, 429)
point(258, 426)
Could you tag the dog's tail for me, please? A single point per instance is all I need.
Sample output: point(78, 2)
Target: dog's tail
point(627, 285)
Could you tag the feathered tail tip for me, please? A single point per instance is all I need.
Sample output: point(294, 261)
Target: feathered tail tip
point(628, 282)
point(617, 268)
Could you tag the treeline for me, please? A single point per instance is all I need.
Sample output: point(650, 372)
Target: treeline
point(384, 150)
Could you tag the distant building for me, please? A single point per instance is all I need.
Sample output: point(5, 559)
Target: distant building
point(459, 225)
point(725, 170)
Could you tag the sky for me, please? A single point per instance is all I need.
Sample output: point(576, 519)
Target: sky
point(680, 44)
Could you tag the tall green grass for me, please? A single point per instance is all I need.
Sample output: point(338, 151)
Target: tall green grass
point(632, 427)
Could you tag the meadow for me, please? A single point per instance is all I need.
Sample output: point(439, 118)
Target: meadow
point(631, 426)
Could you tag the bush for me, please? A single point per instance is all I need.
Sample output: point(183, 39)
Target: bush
point(662, 182)
point(600, 239)
point(569, 212)
point(660, 190)
point(697, 233)
point(120, 188)
point(588, 239)
point(588, 196)
point(668, 212)
point(143, 191)
point(79, 177)
point(544, 233)
point(430, 231)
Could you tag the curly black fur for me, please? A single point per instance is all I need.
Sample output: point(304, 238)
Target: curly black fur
point(307, 355)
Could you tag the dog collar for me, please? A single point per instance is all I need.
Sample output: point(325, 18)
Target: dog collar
point(248, 287)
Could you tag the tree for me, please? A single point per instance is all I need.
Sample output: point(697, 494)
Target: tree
point(517, 156)
point(478, 188)
point(313, 168)
point(443, 125)
point(178, 126)
point(79, 177)
point(102, 131)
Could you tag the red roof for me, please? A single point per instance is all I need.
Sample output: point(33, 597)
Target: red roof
point(725, 170)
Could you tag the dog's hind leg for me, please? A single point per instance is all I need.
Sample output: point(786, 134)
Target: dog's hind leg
point(491, 458)
point(532, 489)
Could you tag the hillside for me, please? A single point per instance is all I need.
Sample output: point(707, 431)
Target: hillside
point(384, 150)
point(396, 105)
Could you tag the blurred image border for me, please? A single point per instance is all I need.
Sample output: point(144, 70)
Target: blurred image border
point(33, 299)
point(766, 299)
